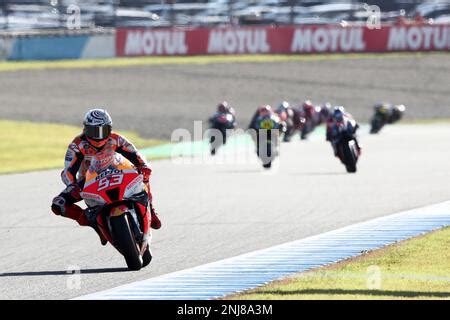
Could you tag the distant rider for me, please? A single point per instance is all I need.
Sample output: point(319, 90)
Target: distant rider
point(325, 113)
point(286, 114)
point(97, 138)
point(311, 115)
point(265, 119)
point(223, 119)
point(341, 119)
point(390, 113)
point(310, 110)
point(224, 108)
point(262, 113)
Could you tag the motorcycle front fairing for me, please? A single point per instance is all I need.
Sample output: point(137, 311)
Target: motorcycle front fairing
point(111, 190)
point(344, 134)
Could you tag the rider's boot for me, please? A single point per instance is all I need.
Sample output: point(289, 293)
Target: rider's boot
point(103, 240)
point(155, 222)
point(90, 220)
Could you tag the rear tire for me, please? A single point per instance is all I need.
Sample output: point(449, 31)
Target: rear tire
point(123, 238)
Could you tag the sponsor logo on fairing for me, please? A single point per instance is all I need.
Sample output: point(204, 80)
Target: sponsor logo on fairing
point(92, 196)
point(107, 172)
point(134, 186)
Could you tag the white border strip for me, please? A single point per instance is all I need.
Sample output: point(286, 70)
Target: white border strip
point(253, 269)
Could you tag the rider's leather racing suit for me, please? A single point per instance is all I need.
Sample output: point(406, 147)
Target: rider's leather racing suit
point(333, 133)
point(77, 160)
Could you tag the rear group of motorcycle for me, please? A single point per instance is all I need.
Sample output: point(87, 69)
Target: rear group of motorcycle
point(291, 121)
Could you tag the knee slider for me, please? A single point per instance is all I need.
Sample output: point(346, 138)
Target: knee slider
point(59, 205)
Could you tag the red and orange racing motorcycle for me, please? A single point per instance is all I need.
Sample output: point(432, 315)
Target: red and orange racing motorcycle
point(117, 201)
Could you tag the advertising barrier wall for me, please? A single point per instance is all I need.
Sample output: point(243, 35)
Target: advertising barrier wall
point(50, 47)
point(281, 40)
point(237, 40)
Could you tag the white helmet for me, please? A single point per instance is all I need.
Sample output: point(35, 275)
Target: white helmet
point(97, 126)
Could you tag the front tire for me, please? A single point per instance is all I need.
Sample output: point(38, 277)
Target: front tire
point(123, 238)
point(376, 125)
point(267, 165)
point(215, 145)
point(350, 158)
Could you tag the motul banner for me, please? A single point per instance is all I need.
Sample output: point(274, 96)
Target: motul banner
point(283, 40)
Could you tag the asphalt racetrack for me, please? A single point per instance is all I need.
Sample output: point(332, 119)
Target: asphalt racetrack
point(214, 211)
point(155, 100)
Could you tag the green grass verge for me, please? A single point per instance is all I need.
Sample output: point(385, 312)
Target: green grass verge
point(28, 146)
point(418, 268)
point(140, 61)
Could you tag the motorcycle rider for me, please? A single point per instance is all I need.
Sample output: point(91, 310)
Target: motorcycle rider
point(309, 109)
point(283, 110)
point(263, 112)
point(311, 115)
point(265, 119)
point(97, 138)
point(340, 117)
point(389, 112)
point(223, 119)
point(385, 113)
point(325, 113)
point(224, 108)
point(286, 115)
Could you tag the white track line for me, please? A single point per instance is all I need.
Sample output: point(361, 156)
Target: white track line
point(250, 270)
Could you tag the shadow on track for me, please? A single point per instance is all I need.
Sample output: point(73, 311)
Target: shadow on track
point(373, 293)
point(61, 273)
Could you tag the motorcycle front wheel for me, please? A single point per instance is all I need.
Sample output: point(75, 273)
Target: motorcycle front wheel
point(123, 238)
point(376, 125)
point(349, 157)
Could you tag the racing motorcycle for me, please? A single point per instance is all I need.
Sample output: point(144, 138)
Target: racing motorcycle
point(268, 139)
point(309, 123)
point(114, 192)
point(286, 116)
point(379, 119)
point(385, 114)
point(221, 122)
point(346, 146)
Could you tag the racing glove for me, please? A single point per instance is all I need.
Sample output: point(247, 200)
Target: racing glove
point(74, 190)
point(146, 172)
